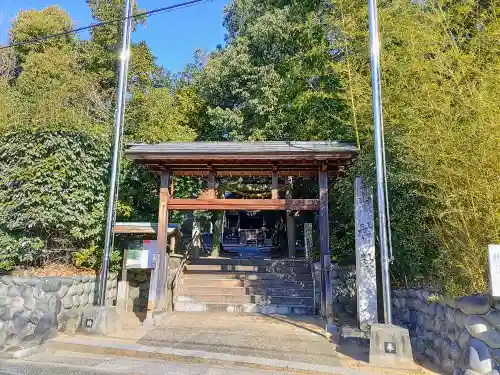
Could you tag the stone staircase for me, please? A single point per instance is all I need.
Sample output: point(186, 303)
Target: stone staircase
point(246, 285)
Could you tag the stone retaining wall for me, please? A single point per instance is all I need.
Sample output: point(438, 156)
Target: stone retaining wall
point(33, 308)
point(460, 336)
point(138, 289)
point(139, 283)
point(343, 288)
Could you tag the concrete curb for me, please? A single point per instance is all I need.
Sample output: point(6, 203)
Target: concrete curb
point(102, 345)
point(21, 353)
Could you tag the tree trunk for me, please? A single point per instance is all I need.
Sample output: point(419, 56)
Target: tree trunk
point(196, 245)
point(218, 215)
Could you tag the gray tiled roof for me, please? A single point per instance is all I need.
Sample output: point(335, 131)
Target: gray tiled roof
point(270, 147)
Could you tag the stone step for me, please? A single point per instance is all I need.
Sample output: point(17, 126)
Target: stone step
point(228, 283)
point(243, 307)
point(275, 268)
point(251, 262)
point(247, 276)
point(297, 291)
point(258, 299)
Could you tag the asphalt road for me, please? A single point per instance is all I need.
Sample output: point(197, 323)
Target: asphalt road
point(68, 363)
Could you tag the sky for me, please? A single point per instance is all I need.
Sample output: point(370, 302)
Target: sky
point(172, 36)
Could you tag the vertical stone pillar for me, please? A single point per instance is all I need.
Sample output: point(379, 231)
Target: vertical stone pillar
point(366, 277)
point(173, 243)
point(123, 286)
point(324, 241)
point(308, 240)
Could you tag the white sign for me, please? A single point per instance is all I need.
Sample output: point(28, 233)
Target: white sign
point(140, 254)
point(494, 263)
point(308, 239)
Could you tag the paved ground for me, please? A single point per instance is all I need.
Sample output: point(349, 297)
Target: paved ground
point(65, 363)
point(211, 343)
point(254, 335)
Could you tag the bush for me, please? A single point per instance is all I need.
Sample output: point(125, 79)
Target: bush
point(441, 83)
point(52, 193)
point(92, 256)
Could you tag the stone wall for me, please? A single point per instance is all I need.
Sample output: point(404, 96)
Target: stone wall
point(139, 284)
point(459, 336)
point(343, 288)
point(33, 308)
point(138, 289)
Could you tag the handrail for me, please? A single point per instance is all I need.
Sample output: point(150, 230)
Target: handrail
point(187, 256)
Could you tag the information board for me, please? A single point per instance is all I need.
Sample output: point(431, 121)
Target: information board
point(140, 253)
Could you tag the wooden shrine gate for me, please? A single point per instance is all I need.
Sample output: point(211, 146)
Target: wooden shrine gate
point(243, 159)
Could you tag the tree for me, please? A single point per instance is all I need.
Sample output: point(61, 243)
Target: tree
point(440, 84)
point(33, 24)
point(52, 191)
point(273, 81)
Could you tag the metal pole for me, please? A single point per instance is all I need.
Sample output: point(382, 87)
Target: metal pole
point(378, 125)
point(120, 111)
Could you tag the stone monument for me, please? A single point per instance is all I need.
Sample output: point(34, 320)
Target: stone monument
point(390, 346)
point(494, 269)
point(308, 240)
point(366, 278)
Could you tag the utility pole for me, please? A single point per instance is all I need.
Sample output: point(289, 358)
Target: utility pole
point(378, 124)
point(119, 115)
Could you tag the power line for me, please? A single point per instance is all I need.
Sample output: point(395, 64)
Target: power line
point(104, 23)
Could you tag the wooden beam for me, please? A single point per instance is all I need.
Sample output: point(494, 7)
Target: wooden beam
point(244, 204)
point(324, 243)
point(246, 173)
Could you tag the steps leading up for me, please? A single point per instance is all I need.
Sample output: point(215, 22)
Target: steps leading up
point(246, 285)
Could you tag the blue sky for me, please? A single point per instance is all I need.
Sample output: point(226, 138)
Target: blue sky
point(172, 36)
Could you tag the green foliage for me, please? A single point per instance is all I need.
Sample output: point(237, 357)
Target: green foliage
point(52, 195)
point(32, 24)
point(55, 118)
point(53, 146)
point(274, 79)
point(91, 258)
point(291, 70)
point(156, 116)
point(440, 75)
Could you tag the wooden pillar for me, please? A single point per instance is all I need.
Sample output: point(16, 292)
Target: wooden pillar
point(173, 240)
point(274, 185)
point(211, 185)
point(290, 223)
point(217, 222)
point(324, 241)
point(157, 292)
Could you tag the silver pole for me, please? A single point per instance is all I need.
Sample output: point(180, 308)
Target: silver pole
point(378, 125)
point(120, 111)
